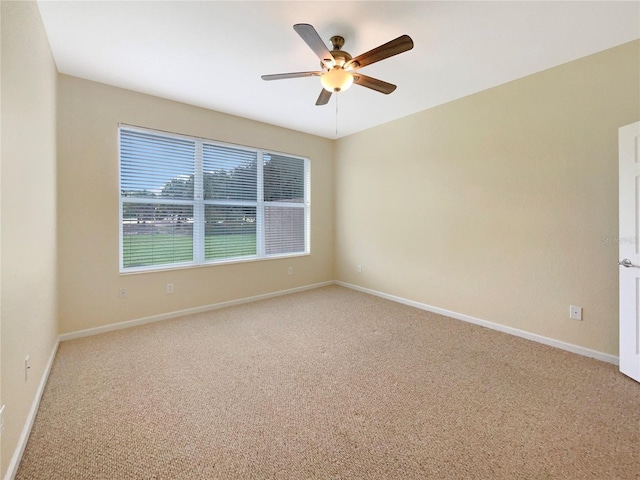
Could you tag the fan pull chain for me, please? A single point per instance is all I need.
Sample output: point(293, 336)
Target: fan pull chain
point(337, 114)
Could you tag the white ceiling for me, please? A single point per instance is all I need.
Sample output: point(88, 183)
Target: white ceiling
point(212, 53)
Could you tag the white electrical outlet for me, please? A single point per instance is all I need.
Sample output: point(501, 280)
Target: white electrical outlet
point(169, 287)
point(27, 367)
point(1, 419)
point(122, 293)
point(359, 268)
point(290, 271)
point(575, 312)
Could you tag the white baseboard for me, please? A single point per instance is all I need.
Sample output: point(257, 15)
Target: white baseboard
point(605, 357)
point(189, 311)
point(586, 352)
point(26, 430)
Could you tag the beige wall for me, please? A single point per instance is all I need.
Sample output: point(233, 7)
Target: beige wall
point(496, 205)
point(28, 200)
point(89, 280)
point(1, 467)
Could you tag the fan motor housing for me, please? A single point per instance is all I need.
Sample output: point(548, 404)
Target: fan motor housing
point(340, 56)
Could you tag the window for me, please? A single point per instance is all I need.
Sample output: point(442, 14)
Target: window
point(190, 201)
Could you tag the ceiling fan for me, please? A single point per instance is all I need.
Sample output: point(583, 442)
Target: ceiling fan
point(339, 69)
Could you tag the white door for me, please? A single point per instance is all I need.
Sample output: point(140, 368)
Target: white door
point(629, 197)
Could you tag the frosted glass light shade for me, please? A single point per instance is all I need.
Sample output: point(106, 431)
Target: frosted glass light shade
point(336, 80)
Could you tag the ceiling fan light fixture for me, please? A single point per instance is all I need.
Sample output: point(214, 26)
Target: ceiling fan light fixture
point(336, 80)
point(336, 65)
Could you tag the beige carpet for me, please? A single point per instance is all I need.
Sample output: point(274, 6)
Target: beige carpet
point(329, 383)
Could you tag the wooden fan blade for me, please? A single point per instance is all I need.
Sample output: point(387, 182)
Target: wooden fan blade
point(311, 38)
point(389, 49)
point(282, 76)
point(373, 83)
point(324, 97)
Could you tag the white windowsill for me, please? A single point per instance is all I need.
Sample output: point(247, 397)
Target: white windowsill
point(166, 268)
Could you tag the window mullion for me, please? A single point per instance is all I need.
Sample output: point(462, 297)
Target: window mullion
point(198, 207)
point(307, 206)
point(260, 241)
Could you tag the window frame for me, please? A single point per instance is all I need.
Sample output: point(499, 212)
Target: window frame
point(199, 203)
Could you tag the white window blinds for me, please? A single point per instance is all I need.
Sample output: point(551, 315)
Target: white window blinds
point(284, 202)
point(230, 197)
point(156, 188)
point(189, 201)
